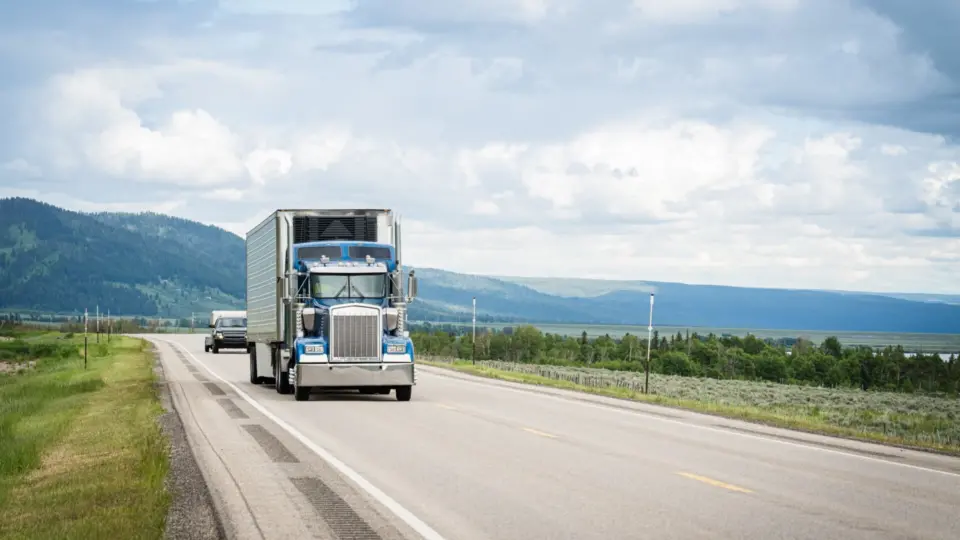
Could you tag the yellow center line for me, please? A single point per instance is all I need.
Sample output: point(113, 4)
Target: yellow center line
point(540, 433)
point(713, 482)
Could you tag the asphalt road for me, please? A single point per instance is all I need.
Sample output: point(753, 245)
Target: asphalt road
point(476, 459)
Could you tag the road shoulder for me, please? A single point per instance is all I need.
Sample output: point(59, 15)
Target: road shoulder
point(192, 514)
point(263, 482)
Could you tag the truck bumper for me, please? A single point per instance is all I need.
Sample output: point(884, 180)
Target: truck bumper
point(232, 343)
point(355, 375)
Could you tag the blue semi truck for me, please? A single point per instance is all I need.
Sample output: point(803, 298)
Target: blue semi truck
point(326, 303)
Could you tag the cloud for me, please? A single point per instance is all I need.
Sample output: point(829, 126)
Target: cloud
point(699, 11)
point(798, 143)
point(22, 167)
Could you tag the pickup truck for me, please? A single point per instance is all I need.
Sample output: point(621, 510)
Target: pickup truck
point(228, 330)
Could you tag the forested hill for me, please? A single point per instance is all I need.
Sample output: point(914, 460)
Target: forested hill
point(144, 264)
point(55, 260)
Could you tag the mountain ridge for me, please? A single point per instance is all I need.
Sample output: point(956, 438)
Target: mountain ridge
point(152, 264)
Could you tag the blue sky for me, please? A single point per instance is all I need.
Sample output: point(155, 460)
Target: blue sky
point(785, 143)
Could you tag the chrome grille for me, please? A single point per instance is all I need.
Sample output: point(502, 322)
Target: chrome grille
point(355, 335)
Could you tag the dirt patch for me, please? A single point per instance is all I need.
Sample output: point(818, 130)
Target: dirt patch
point(16, 367)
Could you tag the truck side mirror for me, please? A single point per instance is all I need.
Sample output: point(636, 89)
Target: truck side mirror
point(411, 286)
point(309, 318)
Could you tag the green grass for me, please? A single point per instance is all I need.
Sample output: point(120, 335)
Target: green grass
point(81, 452)
point(916, 421)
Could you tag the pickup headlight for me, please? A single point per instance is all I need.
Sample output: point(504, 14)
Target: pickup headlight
point(396, 348)
point(313, 349)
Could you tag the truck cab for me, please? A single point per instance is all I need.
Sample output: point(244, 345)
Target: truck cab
point(346, 290)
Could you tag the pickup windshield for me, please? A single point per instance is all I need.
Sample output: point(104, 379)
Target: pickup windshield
point(348, 286)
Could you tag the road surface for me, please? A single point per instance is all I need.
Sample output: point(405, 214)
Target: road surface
point(476, 459)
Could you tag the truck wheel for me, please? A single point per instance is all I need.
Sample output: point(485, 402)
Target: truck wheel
point(301, 393)
point(281, 380)
point(216, 350)
point(206, 348)
point(254, 379)
point(404, 393)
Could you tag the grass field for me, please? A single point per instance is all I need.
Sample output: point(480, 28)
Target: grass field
point(942, 343)
point(919, 421)
point(81, 453)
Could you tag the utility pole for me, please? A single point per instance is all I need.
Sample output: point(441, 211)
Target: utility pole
point(98, 323)
point(646, 382)
point(109, 326)
point(84, 338)
point(473, 354)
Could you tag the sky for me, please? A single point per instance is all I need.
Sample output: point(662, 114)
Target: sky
point(769, 143)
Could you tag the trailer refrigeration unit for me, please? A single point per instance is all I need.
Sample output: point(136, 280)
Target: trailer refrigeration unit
point(326, 305)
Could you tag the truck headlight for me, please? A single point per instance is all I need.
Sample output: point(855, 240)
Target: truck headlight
point(313, 349)
point(219, 335)
point(396, 348)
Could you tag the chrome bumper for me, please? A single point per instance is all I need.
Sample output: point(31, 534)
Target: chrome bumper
point(355, 375)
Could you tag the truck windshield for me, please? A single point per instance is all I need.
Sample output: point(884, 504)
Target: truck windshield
point(348, 286)
point(231, 322)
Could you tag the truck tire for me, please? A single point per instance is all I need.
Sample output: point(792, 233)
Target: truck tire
point(404, 393)
point(254, 378)
point(281, 380)
point(216, 350)
point(301, 393)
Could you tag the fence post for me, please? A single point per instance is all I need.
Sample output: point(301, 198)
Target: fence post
point(84, 338)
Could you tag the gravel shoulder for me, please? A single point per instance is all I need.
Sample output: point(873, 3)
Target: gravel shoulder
point(192, 514)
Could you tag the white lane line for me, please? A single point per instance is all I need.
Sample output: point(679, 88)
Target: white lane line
point(635, 412)
point(407, 516)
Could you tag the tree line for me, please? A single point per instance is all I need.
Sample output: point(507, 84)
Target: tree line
point(795, 361)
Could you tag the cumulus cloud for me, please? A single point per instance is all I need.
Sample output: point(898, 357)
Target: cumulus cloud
point(749, 142)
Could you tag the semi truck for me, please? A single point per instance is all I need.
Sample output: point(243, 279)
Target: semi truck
point(326, 303)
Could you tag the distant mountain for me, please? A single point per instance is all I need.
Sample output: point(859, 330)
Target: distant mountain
point(581, 287)
point(559, 300)
point(54, 260)
point(145, 264)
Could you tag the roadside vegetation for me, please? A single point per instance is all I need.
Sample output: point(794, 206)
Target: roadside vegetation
point(882, 396)
point(81, 452)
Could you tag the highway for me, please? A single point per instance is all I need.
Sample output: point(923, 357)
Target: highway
point(475, 459)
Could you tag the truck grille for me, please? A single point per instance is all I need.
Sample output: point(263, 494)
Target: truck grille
point(355, 334)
